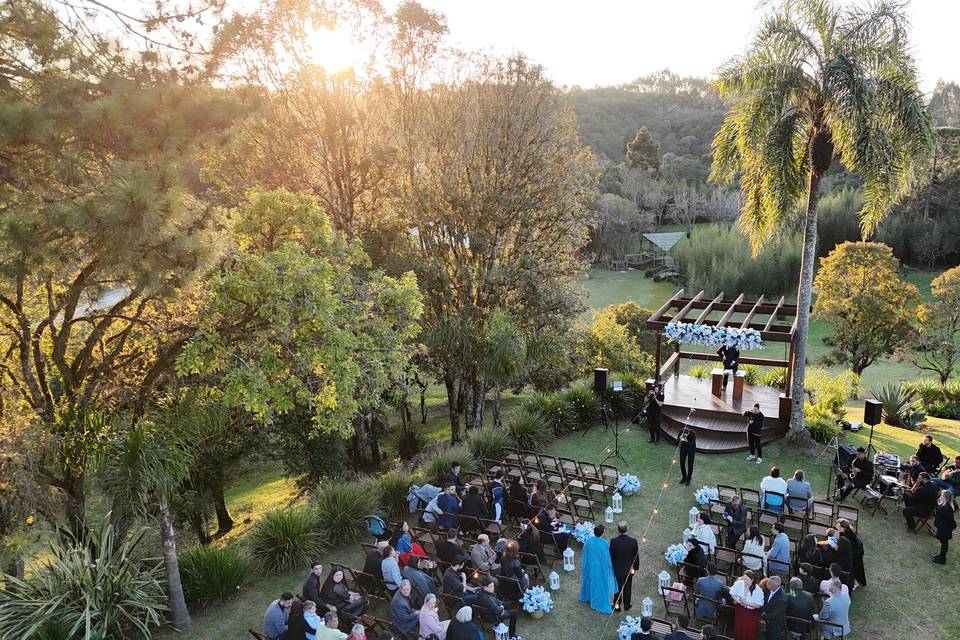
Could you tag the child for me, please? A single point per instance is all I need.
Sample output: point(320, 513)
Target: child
point(312, 619)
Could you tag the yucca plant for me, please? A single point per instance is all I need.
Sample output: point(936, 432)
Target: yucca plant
point(437, 466)
point(700, 371)
point(776, 377)
point(556, 410)
point(211, 574)
point(585, 406)
point(488, 444)
point(285, 539)
point(896, 401)
point(94, 588)
point(394, 487)
point(751, 373)
point(340, 508)
point(529, 430)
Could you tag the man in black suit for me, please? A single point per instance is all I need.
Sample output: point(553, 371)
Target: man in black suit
point(655, 400)
point(730, 357)
point(930, 455)
point(775, 610)
point(625, 555)
point(862, 470)
point(799, 605)
point(688, 450)
point(921, 502)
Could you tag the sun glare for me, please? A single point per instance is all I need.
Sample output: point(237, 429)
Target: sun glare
point(334, 50)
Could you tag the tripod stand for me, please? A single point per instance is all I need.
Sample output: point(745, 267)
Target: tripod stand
point(616, 440)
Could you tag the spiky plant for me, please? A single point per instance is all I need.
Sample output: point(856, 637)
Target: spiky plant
point(285, 539)
point(340, 508)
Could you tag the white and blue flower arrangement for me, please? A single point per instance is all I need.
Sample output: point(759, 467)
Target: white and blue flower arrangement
point(628, 484)
point(687, 333)
point(628, 627)
point(705, 494)
point(537, 599)
point(583, 530)
point(675, 553)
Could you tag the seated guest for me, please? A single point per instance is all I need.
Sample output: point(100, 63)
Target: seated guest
point(696, 558)
point(809, 551)
point(310, 591)
point(836, 549)
point(530, 542)
point(483, 556)
point(498, 494)
point(455, 583)
point(955, 465)
point(799, 493)
point(474, 505)
point(929, 455)
point(862, 469)
point(358, 632)
point(450, 548)
point(703, 532)
point(542, 495)
point(912, 469)
point(390, 568)
point(462, 627)
point(430, 619)
point(754, 546)
point(735, 515)
point(708, 586)
point(297, 622)
point(708, 632)
point(836, 609)
point(547, 522)
point(371, 566)
point(776, 484)
point(449, 505)
point(920, 501)
point(491, 609)
point(329, 629)
point(857, 573)
point(808, 579)
point(405, 545)
point(681, 633)
point(276, 616)
point(421, 582)
point(518, 500)
point(799, 605)
point(835, 574)
point(453, 477)
point(335, 594)
point(949, 480)
point(403, 616)
point(512, 567)
point(645, 633)
point(778, 557)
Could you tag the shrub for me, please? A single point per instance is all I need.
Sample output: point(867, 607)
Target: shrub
point(437, 466)
point(529, 430)
point(409, 442)
point(700, 371)
point(556, 410)
point(585, 406)
point(776, 377)
point(822, 426)
point(340, 508)
point(929, 391)
point(488, 444)
point(285, 539)
point(944, 409)
point(211, 574)
point(394, 487)
point(95, 588)
point(896, 400)
point(751, 373)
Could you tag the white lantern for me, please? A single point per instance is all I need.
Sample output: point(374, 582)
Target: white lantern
point(568, 559)
point(502, 632)
point(694, 512)
point(647, 609)
point(608, 515)
point(554, 580)
point(664, 579)
point(617, 502)
point(686, 534)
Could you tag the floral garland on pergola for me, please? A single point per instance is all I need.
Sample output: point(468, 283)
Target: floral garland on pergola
point(687, 333)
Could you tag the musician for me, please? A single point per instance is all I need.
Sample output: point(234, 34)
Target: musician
point(755, 432)
point(730, 357)
point(688, 449)
point(920, 501)
point(929, 455)
point(655, 400)
point(861, 474)
point(912, 469)
point(949, 480)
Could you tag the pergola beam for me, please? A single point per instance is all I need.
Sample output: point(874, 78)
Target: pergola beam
point(764, 362)
point(686, 309)
point(729, 312)
point(707, 309)
point(665, 306)
point(773, 316)
point(756, 306)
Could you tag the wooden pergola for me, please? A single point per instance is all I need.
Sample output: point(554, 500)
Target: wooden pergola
point(780, 326)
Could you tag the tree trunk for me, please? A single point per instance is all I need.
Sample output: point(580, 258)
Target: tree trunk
point(76, 506)
point(168, 538)
point(496, 407)
point(798, 434)
point(423, 404)
point(453, 407)
point(224, 521)
point(199, 525)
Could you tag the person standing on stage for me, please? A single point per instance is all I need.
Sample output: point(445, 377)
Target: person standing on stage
point(655, 400)
point(755, 432)
point(730, 357)
point(625, 556)
point(688, 449)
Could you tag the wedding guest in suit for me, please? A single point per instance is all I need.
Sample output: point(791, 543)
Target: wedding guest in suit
point(775, 610)
point(836, 609)
point(799, 605)
point(735, 517)
point(681, 633)
point(808, 579)
point(645, 633)
point(929, 455)
point(920, 501)
point(625, 555)
point(709, 586)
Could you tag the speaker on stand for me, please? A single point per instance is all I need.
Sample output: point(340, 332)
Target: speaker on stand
point(600, 381)
point(872, 412)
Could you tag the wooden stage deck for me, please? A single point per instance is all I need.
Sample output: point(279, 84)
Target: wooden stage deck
point(718, 422)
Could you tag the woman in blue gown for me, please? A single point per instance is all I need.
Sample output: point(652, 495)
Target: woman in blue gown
point(597, 582)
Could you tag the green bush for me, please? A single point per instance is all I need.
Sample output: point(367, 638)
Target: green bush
point(585, 406)
point(556, 410)
point(286, 539)
point(95, 588)
point(751, 373)
point(437, 466)
point(530, 430)
point(211, 574)
point(929, 391)
point(821, 424)
point(409, 442)
point(700, 371)
point(944, 409)
point(776, 377)
point(488, 444)
point(340, 508)
point(394, 487)
point(897, 402)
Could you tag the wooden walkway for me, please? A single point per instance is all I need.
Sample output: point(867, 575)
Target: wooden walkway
point(718, 422)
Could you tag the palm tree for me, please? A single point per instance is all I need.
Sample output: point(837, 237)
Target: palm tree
point(818, 82)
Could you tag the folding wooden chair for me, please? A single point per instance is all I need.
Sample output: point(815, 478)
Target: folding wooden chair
point(822, 511)
point(675, 601)
point(750, 498)
point(817, 528)
point(610, 477)
point(923, 522)
point(534, 568)
point(688, 574)
point(258, 635)
point(774, 501)
point(697, 600)
point(836, 630)
point(850, 513)
point(766, 519)
point(553, 474)
point(795, 525)
point(581, 504)
point(570, 467)
point(660, 628)
point(726, 492)
point(511, 454)
point(374, 588)
point(743, 555)
point(379, 630)
point(729, 558)
point(801, 626)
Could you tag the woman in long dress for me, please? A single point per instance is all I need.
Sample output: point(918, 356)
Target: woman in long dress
point(857, 571)
point(749, 598)
point(598, 584)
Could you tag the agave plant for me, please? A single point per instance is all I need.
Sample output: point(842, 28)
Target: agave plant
point(556, 410)
point(896, 401)
point(700, 372)
point(91, 588)
point(394, 487)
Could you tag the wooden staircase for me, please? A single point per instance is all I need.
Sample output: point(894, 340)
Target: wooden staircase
point(717, 431)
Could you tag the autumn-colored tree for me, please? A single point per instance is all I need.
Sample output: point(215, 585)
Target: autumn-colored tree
point(933, 344)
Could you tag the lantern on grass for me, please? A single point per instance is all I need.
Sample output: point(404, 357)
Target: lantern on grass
point(554, 580)
point(694, 512)
point(501, 632)
point(686, 534)
point(664, 579)
point(568, 559)
point(617, 502)
point(647, 609)
point(608, 515)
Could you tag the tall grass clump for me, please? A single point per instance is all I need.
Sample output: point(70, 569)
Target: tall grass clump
point(529, 430)
point(775, 377)
point(437, 466)
point(408, 441)
point(751, 373)
point(700, 371)
point(585, 406)
point(340, 508)
point(555, 409)
point(211, 574)
point(285, 539)
point(488, 444)
point(394, 487)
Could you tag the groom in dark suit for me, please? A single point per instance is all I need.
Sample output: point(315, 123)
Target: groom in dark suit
point(775, 610)
point(625, 556)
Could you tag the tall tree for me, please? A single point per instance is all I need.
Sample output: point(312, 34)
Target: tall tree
point(643, 152)
point(935, 342)
point(819, 81)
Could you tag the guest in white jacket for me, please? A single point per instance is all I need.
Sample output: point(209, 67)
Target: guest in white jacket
point(430, 619)
point(704, 532)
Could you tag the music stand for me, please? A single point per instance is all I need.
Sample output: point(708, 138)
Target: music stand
point(617, 388)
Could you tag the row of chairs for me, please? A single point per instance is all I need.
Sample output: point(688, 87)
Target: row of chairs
point(817, 518)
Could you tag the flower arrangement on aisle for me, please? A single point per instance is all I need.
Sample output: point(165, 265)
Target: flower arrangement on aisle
point(583, 530)
point(675, 553)
point(687, 333)
point(564, 528)
point(705, 494)
point(537, 601)
point(628, 484)
point(628, 627)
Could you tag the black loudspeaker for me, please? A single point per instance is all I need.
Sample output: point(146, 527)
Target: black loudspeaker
point(845, 455)
point(871, 412)
point(599, 381)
